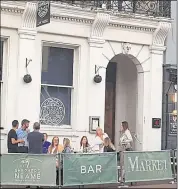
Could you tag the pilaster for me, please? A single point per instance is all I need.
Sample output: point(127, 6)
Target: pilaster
point(96, 91)
point(27, 34)
point(156, 53)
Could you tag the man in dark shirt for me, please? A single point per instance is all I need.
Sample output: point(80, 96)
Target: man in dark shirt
point(35, 140)
point(12, 142)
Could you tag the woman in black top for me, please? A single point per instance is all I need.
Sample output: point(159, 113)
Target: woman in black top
point(108, 146)
point(12, 142)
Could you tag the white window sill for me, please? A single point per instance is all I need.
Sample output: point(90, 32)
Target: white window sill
point(61, 131)
point(56, 128)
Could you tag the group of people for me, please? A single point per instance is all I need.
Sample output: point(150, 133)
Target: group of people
point(21, 140)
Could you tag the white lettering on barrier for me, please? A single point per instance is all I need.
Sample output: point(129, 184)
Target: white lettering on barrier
point(90, 169)
point(25, 172)
point(147, 165)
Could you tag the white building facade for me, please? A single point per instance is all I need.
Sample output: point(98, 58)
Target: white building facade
point(63, 57)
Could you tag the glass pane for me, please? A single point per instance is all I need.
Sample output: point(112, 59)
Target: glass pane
point(1, 63)
point(57, 66)
point(55, 106)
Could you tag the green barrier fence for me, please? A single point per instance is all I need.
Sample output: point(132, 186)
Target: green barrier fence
point(85, 169)
point(147, 166)
point(174, 165)
point(25, 169)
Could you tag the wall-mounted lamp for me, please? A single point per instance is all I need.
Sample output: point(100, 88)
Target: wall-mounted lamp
point(27, 78)
point(98, 78)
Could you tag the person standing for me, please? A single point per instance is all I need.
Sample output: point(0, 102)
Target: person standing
point(46, 144)
point(35, 140)
point(99, 140)
point(12, 141)
point(126, 137)
point(56, 148)
point(22, 135)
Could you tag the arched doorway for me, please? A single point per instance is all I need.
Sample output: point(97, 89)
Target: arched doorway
point(121, 96)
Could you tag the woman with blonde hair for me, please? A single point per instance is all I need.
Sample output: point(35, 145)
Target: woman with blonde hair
point(67, 147)
point(108, 146)
point(99, 140)
point(55, 147)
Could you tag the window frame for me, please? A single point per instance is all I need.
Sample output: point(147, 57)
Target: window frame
point(3, 81)
point(74, 48)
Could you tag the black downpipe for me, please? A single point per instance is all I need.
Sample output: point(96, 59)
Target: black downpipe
point(167, 115)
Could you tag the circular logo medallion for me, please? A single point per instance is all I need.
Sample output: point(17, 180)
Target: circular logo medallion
point(52, 112)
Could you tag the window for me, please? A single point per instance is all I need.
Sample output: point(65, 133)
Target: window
point(56, 86)
point(1, 81)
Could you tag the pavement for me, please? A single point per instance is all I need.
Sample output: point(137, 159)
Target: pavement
point(153, 184)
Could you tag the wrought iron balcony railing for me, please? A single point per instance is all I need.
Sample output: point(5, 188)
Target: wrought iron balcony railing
point(156, 8)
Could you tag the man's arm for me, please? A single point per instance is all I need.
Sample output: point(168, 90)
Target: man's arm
point(16, 141)
point(13, 139)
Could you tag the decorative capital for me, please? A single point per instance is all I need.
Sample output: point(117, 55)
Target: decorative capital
point(161, 33)
point(157, 49)
point(95, 42)
point(27, 34)
point(100, 23)
point(29, 17)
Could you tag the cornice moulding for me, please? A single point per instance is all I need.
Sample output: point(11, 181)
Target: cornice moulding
point(69, 13)
point(113, 13)
point(12, 10)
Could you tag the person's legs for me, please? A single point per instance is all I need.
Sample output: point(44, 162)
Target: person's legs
point(57, 177)
point(61, 177)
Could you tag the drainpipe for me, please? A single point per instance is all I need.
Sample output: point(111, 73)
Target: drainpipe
point(167, 115)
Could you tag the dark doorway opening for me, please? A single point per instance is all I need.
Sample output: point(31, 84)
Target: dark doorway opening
point(110, 96)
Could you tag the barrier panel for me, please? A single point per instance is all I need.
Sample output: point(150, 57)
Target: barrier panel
point(27, 169)
point(147, 166)
point(174, 164)
point(85, 169)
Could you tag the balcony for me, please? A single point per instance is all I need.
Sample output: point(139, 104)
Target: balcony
point(158, 8)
